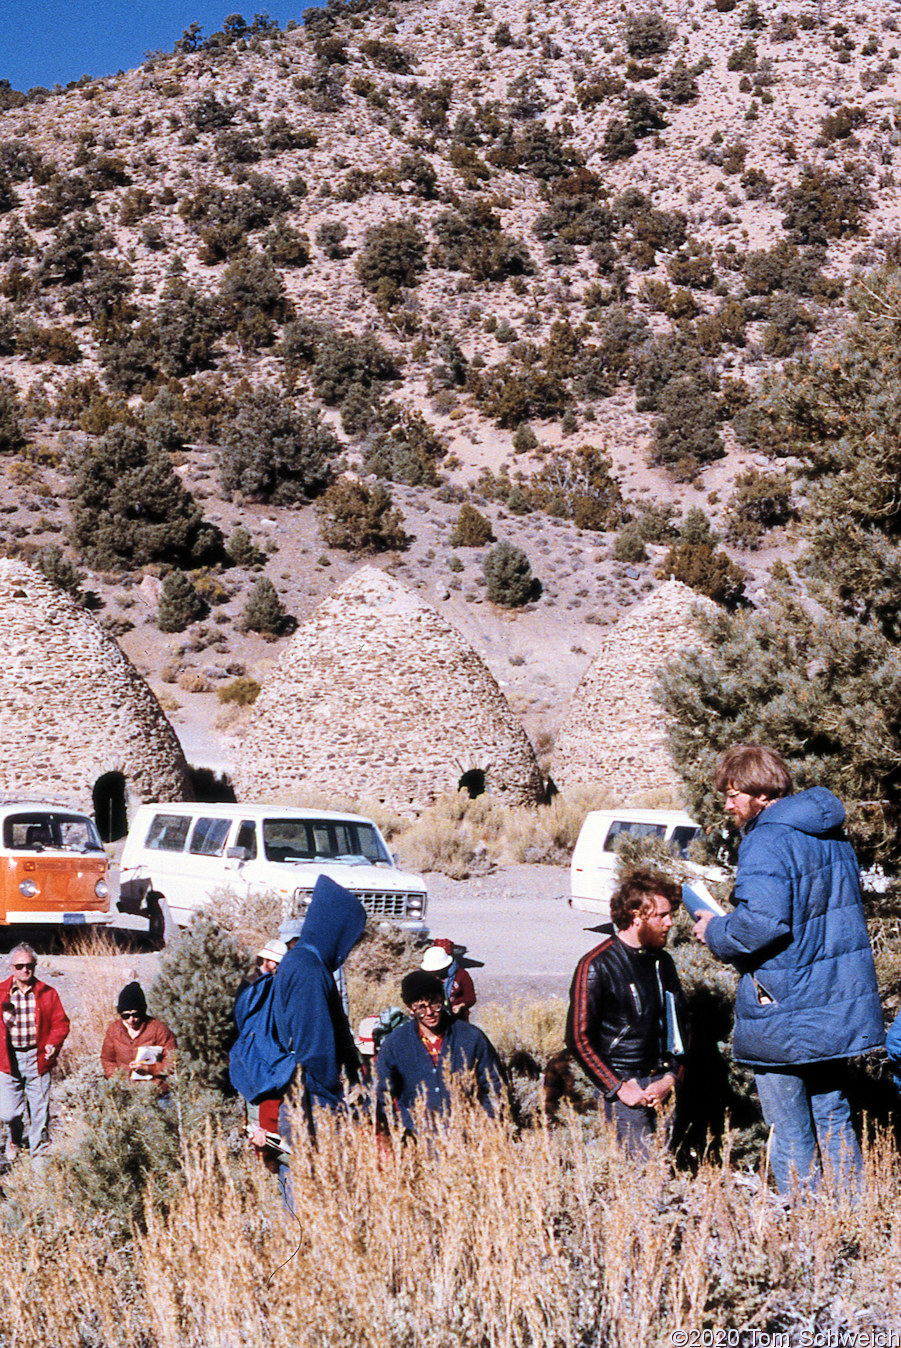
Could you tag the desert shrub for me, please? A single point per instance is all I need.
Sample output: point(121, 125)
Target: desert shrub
point(208, 114)
point(472, 529)
point(537, 149)
point(61, 571)
point(706, 569)
point(264, 612)
point(241, 692)
point(129, 507)
point(330, 238)
point(576, 484)
point(286, 246)
point(821, 205)
point(508, 575)
point(785, 267)
point(679, 85)
point(470, 166)
point(759, 501)
point(472, 240)
point(387, 56)
point(686, 430)
point(242, 550)
point(253, 300)
point(576, 218)
point(55, 345)
point(644, 114)
point(432, 103)
point(654, 521)
point(597, 88)
point(788, 328)
point(340, 360)
point(272, 451)
point(12, 434)
point(125, 1157)
point(361, 518)
point(187, 328)
point(841, 124)
point(513, 394)
point(743, 58)
point(392, 256)
point(628, 545)
point(420, 175)
point(619, 140)
point(648, 34)
point(179, 603)
point(194, 993)
point(405, 448)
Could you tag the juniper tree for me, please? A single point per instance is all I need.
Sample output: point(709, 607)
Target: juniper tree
point(129, 506)
point(194, 993)
point(273, 451)
point(264, 612)
point(820, 677)
point(179, 603)
point(508, 572)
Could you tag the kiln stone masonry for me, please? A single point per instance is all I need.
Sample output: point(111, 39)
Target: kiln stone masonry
point(378, 697)
point(614, 733)
point(78, 724)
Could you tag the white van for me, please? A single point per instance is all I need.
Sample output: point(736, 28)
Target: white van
point(176, 856)
point(593, 870)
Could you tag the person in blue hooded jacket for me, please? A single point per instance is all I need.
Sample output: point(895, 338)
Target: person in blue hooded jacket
point(259, 1066)
point(808, 998)
point(310, 1020)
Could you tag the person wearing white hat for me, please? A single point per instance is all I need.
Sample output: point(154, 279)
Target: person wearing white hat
point(259, 1066)
point(442, 959)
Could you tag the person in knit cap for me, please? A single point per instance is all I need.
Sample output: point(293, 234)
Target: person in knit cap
point(136, 1044)
point(442, 959)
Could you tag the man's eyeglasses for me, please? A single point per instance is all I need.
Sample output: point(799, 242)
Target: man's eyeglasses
point(420, 1008)
point(23, 966)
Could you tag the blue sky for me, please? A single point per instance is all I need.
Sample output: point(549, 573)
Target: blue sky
point(54, 41)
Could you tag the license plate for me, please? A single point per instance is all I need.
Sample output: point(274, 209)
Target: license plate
point(73, 919)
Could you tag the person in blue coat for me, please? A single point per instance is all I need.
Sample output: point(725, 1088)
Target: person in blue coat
point(807, 999)
point(310, 1020)
point(417, 1061)
point(259, 1066)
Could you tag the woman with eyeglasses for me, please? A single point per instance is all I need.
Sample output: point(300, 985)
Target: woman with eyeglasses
point(135, 1043)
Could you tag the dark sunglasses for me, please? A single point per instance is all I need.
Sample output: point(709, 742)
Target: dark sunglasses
point(23, 966)
point(130, 1015)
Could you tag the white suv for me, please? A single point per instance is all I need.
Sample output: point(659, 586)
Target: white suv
point(183, 853)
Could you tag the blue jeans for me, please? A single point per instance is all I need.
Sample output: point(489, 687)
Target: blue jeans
point(26, 1091)
point(808, 1112)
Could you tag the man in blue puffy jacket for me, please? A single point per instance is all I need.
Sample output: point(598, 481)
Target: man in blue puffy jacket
point(807, 999)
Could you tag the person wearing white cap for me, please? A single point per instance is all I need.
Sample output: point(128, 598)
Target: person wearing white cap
point(441, 959)
point(259, 1067)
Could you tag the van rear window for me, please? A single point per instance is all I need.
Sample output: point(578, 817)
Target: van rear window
point(634, 829)
point(167, 833)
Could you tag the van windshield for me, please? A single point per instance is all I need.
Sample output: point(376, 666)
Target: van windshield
point(41, 831)
point(293, 840)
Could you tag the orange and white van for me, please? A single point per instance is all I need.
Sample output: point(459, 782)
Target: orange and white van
point(53, 867)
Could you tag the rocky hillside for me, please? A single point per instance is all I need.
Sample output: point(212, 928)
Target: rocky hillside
point(533, 261)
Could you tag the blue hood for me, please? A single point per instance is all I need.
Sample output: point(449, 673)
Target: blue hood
point(334, 922)
point(816, 811)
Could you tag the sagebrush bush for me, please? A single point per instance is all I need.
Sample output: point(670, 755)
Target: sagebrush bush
point(706, 569)
point(759, 501)
point(273, 451)
point(242, 691)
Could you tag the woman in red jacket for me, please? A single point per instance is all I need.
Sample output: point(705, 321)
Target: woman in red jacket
point(135, 1043)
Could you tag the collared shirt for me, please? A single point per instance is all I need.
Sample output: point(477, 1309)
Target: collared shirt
point(23, 1033)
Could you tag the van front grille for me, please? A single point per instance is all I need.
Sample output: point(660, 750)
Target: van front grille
point(389, 904)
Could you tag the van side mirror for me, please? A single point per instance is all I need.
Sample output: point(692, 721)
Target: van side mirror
point(237, 854)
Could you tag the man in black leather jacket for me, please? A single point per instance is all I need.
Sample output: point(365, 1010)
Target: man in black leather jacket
point(626, 1021)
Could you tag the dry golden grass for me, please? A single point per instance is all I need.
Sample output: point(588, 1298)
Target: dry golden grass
point(473, 1238)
